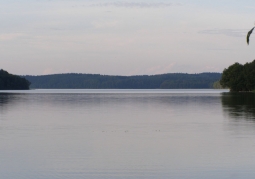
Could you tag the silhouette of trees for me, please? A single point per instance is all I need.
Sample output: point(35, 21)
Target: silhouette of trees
point(95, 81)
point(12, 82)
point(239, 77)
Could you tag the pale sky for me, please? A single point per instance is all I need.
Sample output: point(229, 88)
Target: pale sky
point(124, 37)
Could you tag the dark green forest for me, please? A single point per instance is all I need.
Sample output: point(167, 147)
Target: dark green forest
point(239, 77)
point(96, 81)
point(12, 82)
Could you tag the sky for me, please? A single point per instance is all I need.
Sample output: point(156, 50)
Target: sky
point(124, 37)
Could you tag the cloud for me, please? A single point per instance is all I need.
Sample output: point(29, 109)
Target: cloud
point(136, 5)
point(211, 68)
point(221, 49)
point(227, 32)
point(48, 71)
point(164, 69)
point(99, 25)
point(249, 7)
point(10, 36)
point(157, 69)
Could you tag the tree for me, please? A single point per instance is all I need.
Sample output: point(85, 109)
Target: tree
point(12, 82)
point(239, 77)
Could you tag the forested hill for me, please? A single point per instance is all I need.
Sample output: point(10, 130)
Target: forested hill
point(95, 81)
point(12, 82)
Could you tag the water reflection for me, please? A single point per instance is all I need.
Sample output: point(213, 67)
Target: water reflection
point(125, 135)
point(4, 99)
point(239, 105)
point(107, 100)
point(7, 100)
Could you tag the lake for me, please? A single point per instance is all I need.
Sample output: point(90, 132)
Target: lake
point(127, 134)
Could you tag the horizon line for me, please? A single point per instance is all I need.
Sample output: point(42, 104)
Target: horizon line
point(119, 75)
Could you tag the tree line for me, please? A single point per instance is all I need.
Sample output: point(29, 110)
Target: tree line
point(239, 77)
point(96, 81)
point(12, 82)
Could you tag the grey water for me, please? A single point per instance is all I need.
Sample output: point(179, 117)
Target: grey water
point(111, 134)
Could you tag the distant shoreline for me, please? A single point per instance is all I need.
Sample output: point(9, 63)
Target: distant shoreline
point(96, 81)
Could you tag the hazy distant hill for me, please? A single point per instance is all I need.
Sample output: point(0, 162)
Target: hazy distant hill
point(95, 81)
point(12, 82)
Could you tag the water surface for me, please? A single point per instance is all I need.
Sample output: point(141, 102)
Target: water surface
point(50, 134)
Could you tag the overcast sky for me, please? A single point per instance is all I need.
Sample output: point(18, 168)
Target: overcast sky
point(131, 37)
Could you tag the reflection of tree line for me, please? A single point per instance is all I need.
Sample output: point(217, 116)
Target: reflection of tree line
point(236, 105)
point(5, 99)
point(239, 105)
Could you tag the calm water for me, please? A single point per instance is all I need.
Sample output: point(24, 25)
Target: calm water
point(127, 134)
